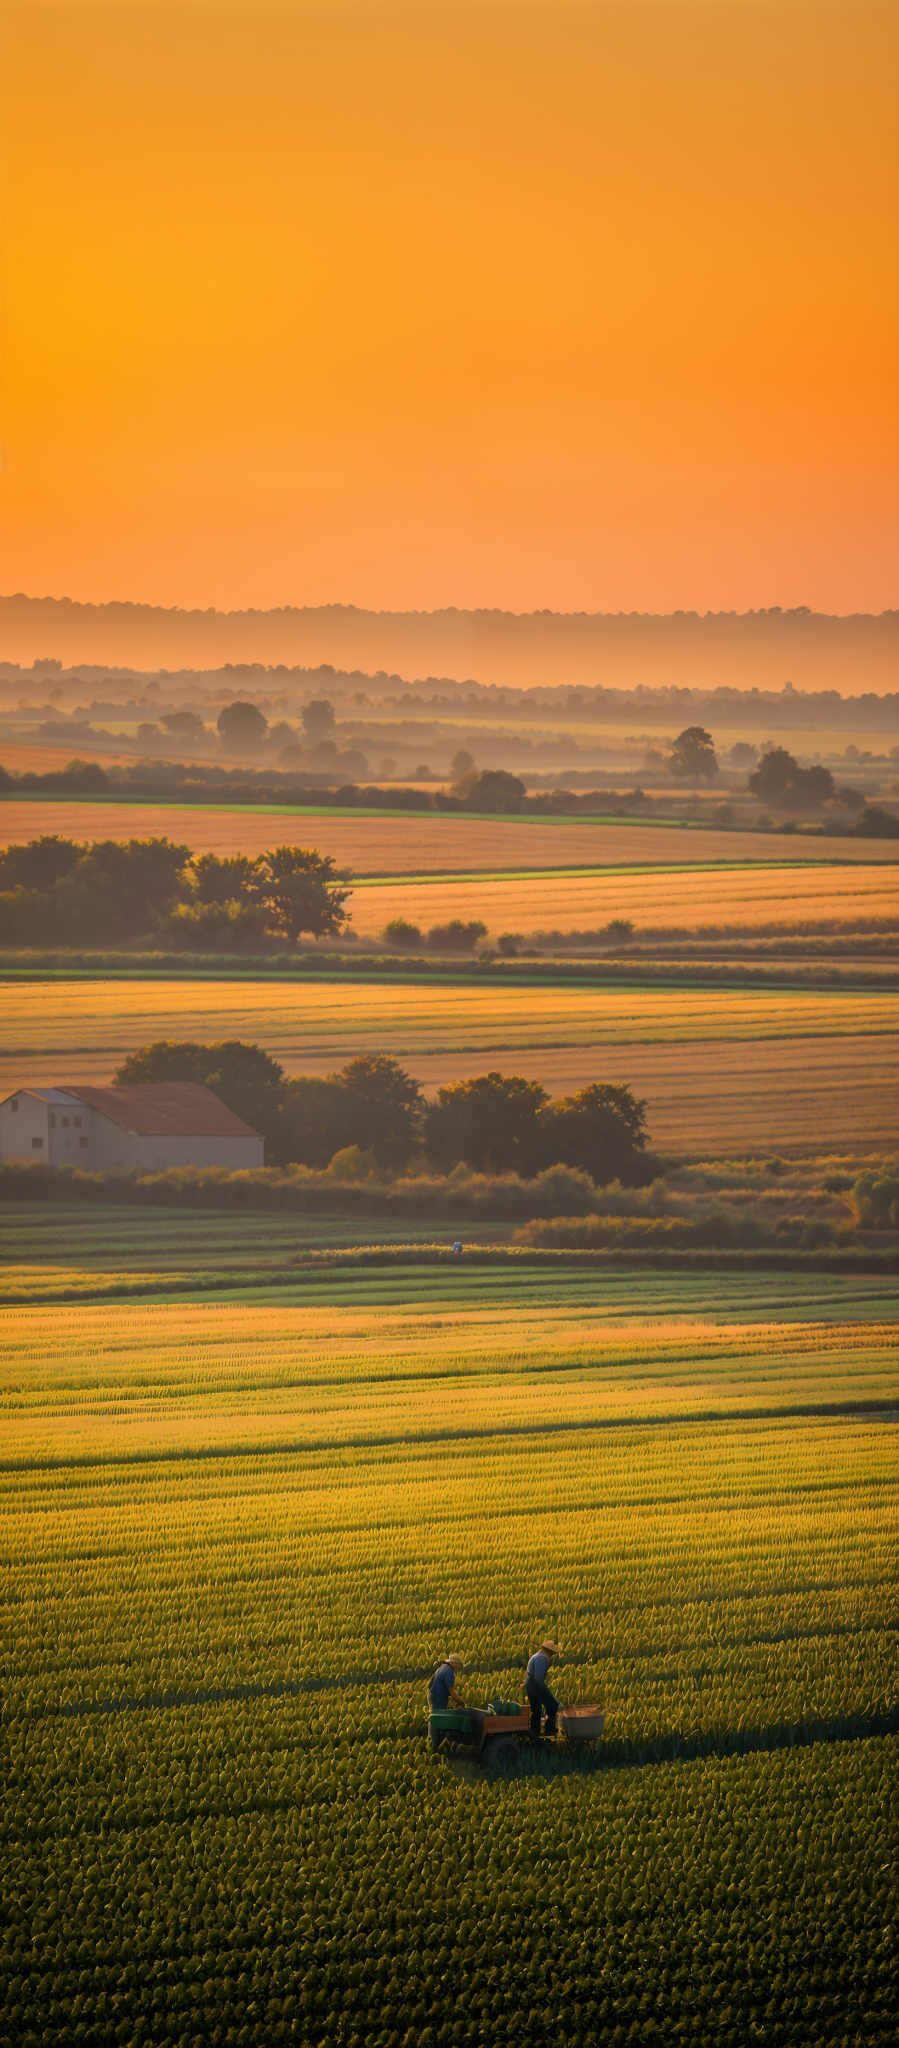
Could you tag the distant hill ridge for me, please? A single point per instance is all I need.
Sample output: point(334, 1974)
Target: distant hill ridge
point(765, 649)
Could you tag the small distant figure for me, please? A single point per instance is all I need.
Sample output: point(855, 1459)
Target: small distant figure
point(457, 1248)
point(442, 1691)
point(537, 1692)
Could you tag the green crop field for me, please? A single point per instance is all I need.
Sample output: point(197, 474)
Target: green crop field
point(240, 1535)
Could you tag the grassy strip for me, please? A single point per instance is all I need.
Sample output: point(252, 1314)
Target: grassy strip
point(309, 1267)
point(377, 880)
point(87, 966)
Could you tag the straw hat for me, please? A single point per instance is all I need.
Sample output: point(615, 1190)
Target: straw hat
point(554, 1648)
point(456, 1663)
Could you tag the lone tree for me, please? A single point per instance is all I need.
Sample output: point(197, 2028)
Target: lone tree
point(490, 1123)
point(495, 790)
point(297, 889)
point(693, 757)
point(318, 721)
point(244, 1077)
point(241, 727)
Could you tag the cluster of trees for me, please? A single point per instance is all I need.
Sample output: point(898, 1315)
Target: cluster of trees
point(778, 779)
point(494, 1123)
point(54, 890)
point(459, 935)
point(244, 730)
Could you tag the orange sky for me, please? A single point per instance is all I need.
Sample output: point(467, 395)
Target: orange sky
point(453, 301)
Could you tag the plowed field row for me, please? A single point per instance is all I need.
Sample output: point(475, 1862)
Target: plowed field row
point(415, 844)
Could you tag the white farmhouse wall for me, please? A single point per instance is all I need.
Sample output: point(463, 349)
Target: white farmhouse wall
point(24, 1130)
point(75, 1134)
point(70, 1134)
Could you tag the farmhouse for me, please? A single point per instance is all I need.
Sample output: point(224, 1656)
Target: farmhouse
point(147, 1126)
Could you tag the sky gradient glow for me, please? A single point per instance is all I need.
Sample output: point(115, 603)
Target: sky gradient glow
point(458, 301)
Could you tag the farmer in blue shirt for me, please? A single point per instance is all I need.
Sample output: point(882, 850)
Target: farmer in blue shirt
point(442, 1691)
point(540, 1700)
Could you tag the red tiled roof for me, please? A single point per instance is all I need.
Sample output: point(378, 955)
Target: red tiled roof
point(170, 1109)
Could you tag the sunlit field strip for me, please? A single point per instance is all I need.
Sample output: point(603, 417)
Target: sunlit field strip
point(551, 1372)
point(617, 1567)
point(724, 1584)
point(71, 1017)
point(720, 1070)
point(397, 845)
point(788, 897)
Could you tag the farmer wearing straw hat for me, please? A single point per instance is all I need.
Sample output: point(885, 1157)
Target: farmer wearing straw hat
point(442, 1690)
point(539, 1697)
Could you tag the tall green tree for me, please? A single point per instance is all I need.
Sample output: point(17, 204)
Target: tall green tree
point(242, 727)
point(386, 1107)
point(298, 890)
point(693, 757)
point(601, 1129)
point(490, 1123)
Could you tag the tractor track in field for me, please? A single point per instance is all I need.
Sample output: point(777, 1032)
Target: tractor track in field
point(876, 1408)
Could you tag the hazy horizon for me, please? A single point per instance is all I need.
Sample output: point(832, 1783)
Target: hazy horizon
point(764, 649)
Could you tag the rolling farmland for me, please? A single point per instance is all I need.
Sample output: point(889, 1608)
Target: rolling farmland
point(243, 1535)
point(416, 844)
point(720, 1069)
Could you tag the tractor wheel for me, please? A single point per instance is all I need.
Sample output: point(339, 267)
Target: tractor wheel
point(503, 1755)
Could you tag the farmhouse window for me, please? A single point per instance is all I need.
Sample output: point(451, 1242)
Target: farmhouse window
point(77, 1122)
point(14, 1103)
point(37, 1144)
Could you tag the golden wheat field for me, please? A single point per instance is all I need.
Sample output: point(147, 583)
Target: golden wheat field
point(424, 844)
point(720, 1069)
point(697, 900)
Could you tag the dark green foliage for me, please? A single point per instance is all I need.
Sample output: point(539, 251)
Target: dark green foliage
point(489, 1122)
point(873, 822)
point(385, 1107)
point(40, 864)
point(875, 1198)
point(693, 757)
point(244, 1077)
point(319, 722)
point(296, 888)
point(458, 936)
point(778, 779)
point(315, 1120)
point(221, 879)
point(494, 790)
point(404, 936)
point(601, 1129)
point(242, 727)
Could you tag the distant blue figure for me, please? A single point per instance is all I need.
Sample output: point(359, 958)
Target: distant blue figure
point(457, 1248)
